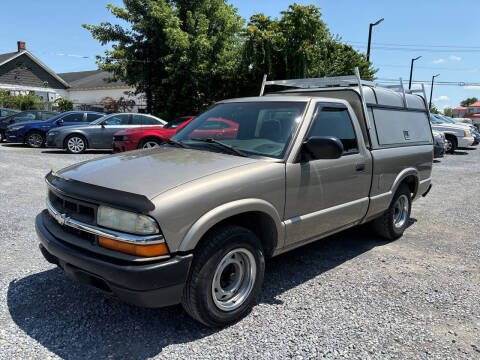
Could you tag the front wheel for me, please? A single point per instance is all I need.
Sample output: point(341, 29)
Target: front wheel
point(75, 144)
point(35, 139)
point(225, 278)
point(451, 144)
point(394, 221)
point(150, 143)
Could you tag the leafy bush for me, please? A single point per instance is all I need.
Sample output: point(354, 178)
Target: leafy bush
point(20, 102)
point(63, 105)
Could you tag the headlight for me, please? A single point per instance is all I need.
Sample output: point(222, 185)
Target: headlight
point(120, 138)
point(15, 128)
point(466, 133)
point(126, 221)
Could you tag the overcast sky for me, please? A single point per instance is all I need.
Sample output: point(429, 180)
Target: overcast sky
point(433, 29)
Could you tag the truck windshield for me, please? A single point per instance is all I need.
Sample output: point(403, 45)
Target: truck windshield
point(262, 128)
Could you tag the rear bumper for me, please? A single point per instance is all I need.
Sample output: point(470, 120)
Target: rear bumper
point(155, 284)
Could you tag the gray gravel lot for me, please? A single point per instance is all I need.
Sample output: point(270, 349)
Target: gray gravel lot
point(348, 296)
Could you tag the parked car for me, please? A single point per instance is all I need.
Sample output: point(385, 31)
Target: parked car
point(147, 137)
point(456, 135)
point(463, 120)
point(4, 112)
point(439, 144)
point(24, 116)
point(34, 133)
point(98, 134)
point(193, 221)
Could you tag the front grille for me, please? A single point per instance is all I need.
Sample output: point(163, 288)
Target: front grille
point(73, 208)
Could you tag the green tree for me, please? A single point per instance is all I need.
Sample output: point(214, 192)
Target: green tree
point(434, 110)
point(192, 47)
point(468, 101)
point(63, 105)
point(447, 111)
point(298, 45)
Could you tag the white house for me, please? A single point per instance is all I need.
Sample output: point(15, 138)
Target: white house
point(22, 73)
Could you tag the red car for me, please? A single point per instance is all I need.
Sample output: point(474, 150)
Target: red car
point(148, 136)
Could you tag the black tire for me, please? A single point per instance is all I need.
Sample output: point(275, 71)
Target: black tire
point(386, 225)
point(75, 144)
point(452, 140)
point(209, 259)
point(35, 139)
point(153, 142)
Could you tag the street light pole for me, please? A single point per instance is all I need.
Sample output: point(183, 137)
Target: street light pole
point(411, 72)
point(370, 36)
point(431, 90)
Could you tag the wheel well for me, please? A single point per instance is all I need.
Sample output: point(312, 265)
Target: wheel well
point(412, 182)
point(261, 224)
point(70, 135)
point(453, 137)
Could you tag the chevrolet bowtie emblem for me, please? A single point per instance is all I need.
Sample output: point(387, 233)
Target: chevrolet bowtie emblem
point(61, 218)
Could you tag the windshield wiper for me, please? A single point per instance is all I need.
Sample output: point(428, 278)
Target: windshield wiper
point(225, 146)
point(177, 143)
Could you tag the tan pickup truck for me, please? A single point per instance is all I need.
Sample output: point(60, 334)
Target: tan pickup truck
point(193, 221)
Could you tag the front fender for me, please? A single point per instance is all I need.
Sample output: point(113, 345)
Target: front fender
point(224, 211)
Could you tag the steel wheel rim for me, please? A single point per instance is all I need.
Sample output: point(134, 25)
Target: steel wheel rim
point(75, 144)
point(35, 140)
point(233, 279)
point(150, 144)
point(400, 211)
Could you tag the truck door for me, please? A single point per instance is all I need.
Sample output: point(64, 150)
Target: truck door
point(325, 195)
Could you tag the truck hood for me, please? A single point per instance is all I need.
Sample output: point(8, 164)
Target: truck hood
point(153, 171)
point(447, 126)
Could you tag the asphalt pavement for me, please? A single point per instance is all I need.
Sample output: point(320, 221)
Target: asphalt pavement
point(351, 295)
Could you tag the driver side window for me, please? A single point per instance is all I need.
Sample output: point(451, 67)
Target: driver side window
point(335, 121)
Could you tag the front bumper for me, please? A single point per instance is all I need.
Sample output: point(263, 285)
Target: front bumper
point(53, 141)
point(122, 146)
point(465, 141)
point(14, 137)
point(438, 151)
point(155, 284)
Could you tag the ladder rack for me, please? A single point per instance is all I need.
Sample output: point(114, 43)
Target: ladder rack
point(345, 81)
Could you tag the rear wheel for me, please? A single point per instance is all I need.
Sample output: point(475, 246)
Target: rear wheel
point(394, 221)
point(150, 143)
point(35, 139)
point(75, 144)
point(225, 278)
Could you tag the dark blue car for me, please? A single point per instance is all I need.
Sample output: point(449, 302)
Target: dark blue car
point(34, 133)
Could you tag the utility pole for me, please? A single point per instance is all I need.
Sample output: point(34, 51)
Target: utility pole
point(411, 72)
point(370, 36)
point(148, 74)
point(431, 90)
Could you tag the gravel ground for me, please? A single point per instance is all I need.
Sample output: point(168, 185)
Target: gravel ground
point(348, 296)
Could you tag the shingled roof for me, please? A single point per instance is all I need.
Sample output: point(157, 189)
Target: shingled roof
point(90, 79)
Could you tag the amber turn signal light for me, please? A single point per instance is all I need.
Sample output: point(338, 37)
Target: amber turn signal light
point(133, 249)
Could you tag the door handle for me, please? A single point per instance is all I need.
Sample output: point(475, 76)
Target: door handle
point(360, 166)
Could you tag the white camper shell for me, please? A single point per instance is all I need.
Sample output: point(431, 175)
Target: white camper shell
point(389, 116)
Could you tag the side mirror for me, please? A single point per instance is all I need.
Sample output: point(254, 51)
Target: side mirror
point(11, 121)
point(59, 122)
point(321, 147)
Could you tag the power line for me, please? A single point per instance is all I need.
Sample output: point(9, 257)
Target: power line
point(415, 45)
